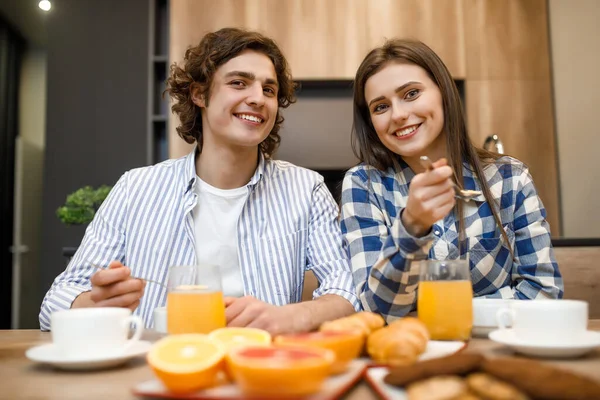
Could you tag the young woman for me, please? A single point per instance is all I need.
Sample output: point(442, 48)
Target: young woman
point(394, 210)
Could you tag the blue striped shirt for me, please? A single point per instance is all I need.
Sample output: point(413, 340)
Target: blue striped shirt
point(289, 225)
point(381, 249)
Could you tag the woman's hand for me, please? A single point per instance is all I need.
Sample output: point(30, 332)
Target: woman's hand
point(430, 198)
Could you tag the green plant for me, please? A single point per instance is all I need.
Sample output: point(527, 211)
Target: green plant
point(81, 205)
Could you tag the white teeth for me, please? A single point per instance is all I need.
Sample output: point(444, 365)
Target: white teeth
point(406, 131)
point(249, 118)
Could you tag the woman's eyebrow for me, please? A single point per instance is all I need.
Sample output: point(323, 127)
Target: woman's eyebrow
point(398, 89)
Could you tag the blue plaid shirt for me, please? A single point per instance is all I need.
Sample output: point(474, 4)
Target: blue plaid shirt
point(381, 249)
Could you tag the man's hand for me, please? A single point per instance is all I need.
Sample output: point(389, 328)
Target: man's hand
point(112, 287)
point(250, 312)
point(430, 198)
point(292, 318)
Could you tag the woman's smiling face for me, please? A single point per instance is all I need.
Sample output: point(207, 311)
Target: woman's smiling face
point(405, 106)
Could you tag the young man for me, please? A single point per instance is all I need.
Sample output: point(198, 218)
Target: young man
point(264, 222)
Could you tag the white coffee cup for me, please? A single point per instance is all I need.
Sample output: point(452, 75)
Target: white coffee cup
point(484, 311)
point(160, 319)
point(94, 332)
point(546, 322)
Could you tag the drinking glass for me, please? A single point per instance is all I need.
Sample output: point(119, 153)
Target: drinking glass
point(445, 299)
point(194, 299)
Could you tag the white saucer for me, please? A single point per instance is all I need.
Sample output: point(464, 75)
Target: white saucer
point(482, 331)
point(48, 354)
point(587, 343)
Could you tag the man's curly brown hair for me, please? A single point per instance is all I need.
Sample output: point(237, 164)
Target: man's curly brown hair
point(199, 66)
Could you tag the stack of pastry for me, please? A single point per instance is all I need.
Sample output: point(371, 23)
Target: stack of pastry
point(364, 322)
point(400, 343)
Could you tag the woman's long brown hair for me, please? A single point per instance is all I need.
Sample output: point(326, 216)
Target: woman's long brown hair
point(369, 149)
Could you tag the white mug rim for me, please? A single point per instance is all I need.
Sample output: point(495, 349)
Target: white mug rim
point(91, 311)
point(553, 303)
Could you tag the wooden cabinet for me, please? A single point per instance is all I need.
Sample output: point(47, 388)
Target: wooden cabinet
point(506, 39)
point(326, 39)
point(508, 87)
point(520, 113)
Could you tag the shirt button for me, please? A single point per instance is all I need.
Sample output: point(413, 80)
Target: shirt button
point(437, 233)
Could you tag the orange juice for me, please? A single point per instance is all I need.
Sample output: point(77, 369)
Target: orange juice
point(195, 311)
point(446, 308)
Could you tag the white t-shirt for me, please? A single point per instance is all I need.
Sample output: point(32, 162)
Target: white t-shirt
point(215, 227)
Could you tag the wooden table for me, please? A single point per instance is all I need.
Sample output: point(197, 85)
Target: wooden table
point(23, 379)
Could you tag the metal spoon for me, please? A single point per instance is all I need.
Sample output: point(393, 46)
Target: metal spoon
point(134, 277)
point(459, 193)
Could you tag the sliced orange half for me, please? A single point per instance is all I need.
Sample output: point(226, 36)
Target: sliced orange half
point(347, 345)
point(233, 337)
point(280, 371)
point(186, 363)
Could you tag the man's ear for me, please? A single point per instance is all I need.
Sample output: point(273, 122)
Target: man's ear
point(197, 96)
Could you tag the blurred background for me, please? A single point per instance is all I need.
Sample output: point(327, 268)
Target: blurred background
point(81, 85)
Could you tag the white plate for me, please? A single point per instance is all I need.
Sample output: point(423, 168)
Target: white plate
point(48, 354)
point(333, 388)
point(439, 348)
point(435, 349)
point(588, 342)
point(374, 377)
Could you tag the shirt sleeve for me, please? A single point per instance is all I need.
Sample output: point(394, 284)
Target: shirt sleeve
point(381, 250)
point(103, 242)
point(535, 271)
point(325, 254)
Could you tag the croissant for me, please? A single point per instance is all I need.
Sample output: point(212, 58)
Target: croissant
point(364, 321)
point(400, 343)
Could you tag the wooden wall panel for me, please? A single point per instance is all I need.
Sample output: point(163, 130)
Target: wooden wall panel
point(520, 112)
point(326, 39)
point(507, 39)
point(508, 87)
point(581, 274)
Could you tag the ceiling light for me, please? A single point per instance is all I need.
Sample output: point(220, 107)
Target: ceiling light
point(45, 5)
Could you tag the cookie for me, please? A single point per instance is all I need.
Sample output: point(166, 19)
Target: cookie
point(438, 388)
point(456, 364)
point(490, 388)
point(542, 381)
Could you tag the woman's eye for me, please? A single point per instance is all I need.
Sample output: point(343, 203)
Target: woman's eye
point(379, 108)
point(269, 90)
point(411, 94)
point(237, 83)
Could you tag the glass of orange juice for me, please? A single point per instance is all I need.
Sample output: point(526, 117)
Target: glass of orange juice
point(445, 299)
point(194, 299)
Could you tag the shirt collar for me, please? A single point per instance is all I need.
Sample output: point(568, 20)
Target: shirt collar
point(190, 170)
point(260, 170)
